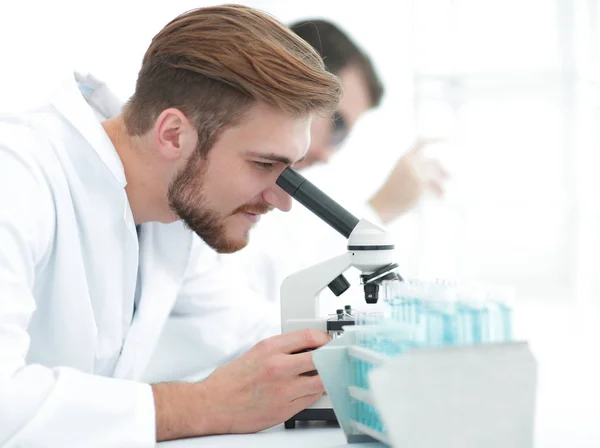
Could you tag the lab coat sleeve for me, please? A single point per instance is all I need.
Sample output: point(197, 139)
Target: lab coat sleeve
point(42, 406)
point(216, 317)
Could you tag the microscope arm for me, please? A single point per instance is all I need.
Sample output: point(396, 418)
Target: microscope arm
point(300, 292)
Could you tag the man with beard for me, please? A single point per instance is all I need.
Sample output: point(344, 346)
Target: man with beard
point(281, 245)
point(96, 236)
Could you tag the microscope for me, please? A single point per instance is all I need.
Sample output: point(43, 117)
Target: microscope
point(370, 249)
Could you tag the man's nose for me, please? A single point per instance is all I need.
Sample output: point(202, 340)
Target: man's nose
point(276, 197)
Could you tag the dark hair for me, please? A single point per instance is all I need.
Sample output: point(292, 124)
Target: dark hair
point(338, 52)
point(214, 63)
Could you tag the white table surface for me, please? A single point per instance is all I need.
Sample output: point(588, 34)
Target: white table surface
point(313, 435)
point(565, 343)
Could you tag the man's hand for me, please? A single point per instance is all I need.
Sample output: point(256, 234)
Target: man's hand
point(413, 175)
point(260, 389)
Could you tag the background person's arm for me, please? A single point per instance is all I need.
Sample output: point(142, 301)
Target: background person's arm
point(413, 175)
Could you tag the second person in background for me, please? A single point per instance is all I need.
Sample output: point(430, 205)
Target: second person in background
point(286, 243)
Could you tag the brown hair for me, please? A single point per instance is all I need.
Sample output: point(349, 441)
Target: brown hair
point(214, 63)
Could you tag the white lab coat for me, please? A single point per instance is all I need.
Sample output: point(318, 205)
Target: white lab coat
point(70, 355)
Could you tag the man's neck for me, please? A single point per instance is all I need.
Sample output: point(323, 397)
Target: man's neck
point(141, 192)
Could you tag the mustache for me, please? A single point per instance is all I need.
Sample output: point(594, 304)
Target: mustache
point(256, 209)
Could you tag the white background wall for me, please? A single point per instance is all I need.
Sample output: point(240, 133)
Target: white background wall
point(512, 85)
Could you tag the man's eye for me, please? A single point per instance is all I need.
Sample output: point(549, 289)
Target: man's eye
point(264, 165)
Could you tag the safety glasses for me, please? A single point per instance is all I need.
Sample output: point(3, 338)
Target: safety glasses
point(339, 130)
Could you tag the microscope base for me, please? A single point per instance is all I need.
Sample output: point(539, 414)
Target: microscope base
point(310, 414)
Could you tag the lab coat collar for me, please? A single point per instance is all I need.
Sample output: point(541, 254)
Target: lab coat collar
point(71, 104)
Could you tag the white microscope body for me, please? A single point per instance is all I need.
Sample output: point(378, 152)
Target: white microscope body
point(370, 250)
point(300, 291)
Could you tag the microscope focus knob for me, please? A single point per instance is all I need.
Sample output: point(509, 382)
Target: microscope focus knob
point(339, 285)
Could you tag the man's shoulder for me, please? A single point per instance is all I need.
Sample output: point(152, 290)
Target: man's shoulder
point(22, 129)
point(23, 138)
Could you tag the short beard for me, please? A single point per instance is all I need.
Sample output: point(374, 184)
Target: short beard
point(188, 201)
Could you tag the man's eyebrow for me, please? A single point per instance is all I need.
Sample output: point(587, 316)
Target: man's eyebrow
point(273, 157)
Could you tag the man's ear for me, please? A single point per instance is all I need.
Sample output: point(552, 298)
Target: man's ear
point(175, 136)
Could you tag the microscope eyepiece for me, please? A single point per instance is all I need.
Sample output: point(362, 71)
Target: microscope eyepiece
point(298, 187)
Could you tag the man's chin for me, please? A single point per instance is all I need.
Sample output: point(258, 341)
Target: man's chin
point(217, 238)
point(227, 246)
point(231, 248)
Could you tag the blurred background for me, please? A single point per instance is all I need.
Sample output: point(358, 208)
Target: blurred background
point(511, 85)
